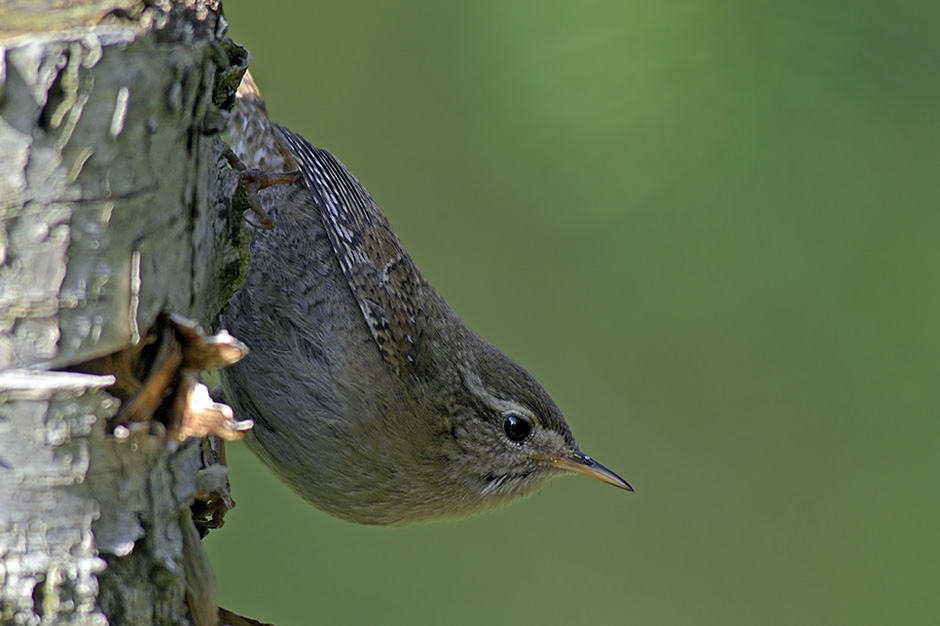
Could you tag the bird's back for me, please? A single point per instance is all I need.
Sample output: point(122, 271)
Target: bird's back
point(302, 324)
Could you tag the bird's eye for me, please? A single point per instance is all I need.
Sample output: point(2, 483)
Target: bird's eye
point(516, 428)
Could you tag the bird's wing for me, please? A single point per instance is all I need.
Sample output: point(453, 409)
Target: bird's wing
point(383, 278)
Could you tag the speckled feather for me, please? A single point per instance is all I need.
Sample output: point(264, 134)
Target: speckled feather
point(370, 397)
point(381, 275)
point(253, 136)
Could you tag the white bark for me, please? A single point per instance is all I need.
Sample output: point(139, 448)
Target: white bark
point(114, 207)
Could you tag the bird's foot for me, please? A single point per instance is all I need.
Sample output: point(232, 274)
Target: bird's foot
point(254, 180)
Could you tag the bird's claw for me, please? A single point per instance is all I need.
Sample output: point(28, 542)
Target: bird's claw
point(254, 180)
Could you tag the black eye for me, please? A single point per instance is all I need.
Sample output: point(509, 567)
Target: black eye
point(517, 429)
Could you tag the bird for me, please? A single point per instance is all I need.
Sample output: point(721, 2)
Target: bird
point(369, 396)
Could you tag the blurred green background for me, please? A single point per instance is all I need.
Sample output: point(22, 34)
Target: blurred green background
point(710, 228)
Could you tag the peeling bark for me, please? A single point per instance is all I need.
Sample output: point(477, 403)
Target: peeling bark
point(115, 207)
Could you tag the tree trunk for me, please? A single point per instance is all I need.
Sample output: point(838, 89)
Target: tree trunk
point(115, 210)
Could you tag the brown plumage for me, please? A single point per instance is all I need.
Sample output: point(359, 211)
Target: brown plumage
point(370, 397)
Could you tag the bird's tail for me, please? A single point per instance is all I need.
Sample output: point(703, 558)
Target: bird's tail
point(254, 139)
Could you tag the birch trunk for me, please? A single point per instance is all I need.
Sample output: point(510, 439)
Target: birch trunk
point(114, 208)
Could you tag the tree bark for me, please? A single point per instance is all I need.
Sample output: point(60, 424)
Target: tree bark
point(115, 210)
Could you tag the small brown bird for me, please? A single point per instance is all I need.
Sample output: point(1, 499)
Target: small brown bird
point(370, 397)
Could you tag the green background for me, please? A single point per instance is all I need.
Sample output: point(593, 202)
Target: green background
point(710, 229)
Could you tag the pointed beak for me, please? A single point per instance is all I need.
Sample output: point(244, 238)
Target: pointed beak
point(583, 464)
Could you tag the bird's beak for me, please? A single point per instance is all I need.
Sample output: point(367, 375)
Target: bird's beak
point(583, 464)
